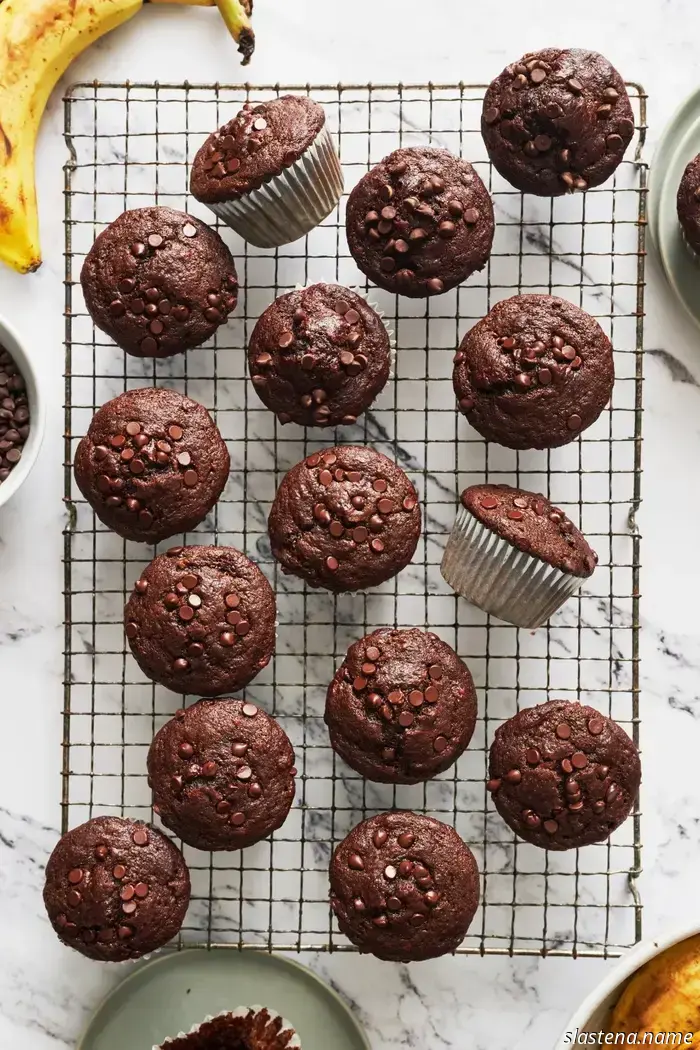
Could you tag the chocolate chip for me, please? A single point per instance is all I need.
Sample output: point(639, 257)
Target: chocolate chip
point(596, 726)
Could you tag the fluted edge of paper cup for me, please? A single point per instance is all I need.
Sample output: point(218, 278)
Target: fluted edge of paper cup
point(500, 579)
point(293, 1043)
point(291, 204)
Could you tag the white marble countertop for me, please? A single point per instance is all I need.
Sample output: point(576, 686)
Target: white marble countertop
point(46, 993)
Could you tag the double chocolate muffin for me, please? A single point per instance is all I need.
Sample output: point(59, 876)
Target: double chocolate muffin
point(319, 356)
point(201, 620)
point(272, 173)
point(556, 121)
point(222, 774)
point(247, 1028)
point(420, 222)
point(402, 706)
point(563, 775)
point(116, 889)
point(345, 519)
point(404, 887)
point(159, 282)
point(688, 204)
point(152, 464)
point(534, 373)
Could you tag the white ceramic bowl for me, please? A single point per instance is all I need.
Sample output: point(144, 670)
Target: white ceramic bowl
point(10, 340)
point(594, 1012)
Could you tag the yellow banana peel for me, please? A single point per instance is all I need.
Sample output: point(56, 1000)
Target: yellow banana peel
point(38, 41)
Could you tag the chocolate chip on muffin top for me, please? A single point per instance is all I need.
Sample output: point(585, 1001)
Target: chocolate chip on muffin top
point(420, 222)
point(159, 282)
point(558, 120)
point(534, 373)
point(402, 706)
point(261, 141)
point(532, 524)
point(319, 356)
point(152, 464)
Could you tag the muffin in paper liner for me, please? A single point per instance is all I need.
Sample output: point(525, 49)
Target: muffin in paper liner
point(523, 564)
point(688, 208)
point(252, 1028)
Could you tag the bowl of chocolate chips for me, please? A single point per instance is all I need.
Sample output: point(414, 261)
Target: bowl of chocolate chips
point(21, 413)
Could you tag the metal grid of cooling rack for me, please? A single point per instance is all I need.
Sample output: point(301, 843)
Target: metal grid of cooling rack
point(130, 146)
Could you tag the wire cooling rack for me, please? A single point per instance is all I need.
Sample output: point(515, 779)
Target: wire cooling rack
point(130, 146)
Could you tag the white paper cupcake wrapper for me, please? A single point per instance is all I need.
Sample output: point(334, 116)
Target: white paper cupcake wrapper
point(241, 1011)
point(291, 204)
point(495, 576)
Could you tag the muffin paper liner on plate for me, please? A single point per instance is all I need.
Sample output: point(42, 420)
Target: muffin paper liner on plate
point(291, 204)
point(500, 579)
point(275, 1043)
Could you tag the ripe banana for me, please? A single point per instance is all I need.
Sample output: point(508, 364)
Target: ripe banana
point(38, 41)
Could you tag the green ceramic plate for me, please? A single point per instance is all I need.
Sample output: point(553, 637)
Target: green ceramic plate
point(679, 144)
point(174, 992)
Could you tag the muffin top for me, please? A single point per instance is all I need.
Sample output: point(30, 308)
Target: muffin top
point(404, 887)
point(222, 774)
point(260, 142)
point(557, 120)
point(420, 222)
point(159, 282)
point(563, 775)
point(345, 519)
point(402, 706)
point(116, 889)
point(152, 464)
point(201, 620)
point(534, 373)
point(532, 524)
point(319, 356)
point(688, 203)
point(254, 1028)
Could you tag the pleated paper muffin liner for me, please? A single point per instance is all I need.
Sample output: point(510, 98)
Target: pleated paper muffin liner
point(291, 204)
point(285, 1039)
point(500, 579)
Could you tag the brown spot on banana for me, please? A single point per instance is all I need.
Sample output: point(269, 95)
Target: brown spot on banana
point(7, 145)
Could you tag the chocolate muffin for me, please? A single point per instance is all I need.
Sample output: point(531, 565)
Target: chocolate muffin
point(563, 775)
point(345, 519)
point(556, 121)
point(222, 774)
point(201, 620)
point(159, 282)
point(515, 555)
point(152, 464)
point(404, 887)
point(247, 1028)
point(272, 173)
point(402, 706)
point(688, 204)
point(116, 889)
point(534, 373)
point(420, 222)
point(319, 356)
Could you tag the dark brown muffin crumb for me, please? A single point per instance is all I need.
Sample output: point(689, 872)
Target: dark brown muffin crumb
point(222, 774)
point(116, 889)
point(556, 121)
point(259, 143)
point(688, 203)
point(404, 887)
point(534, 373)
point(532, 524)
point(159, 282)
point(201, 620)
point(319, 356)
point(420, 222)
point(402, 706)
point(563, 775)
point(152, 464)
point(345, 519)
